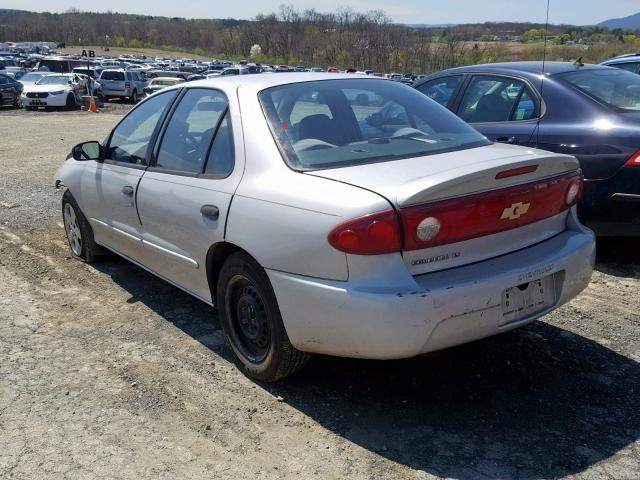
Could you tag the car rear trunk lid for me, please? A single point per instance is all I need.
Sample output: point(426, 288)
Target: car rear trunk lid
point(524, 186)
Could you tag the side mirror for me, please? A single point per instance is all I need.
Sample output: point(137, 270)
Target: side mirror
point(87, 151)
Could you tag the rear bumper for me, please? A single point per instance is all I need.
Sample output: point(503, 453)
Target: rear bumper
point(116, 93)
point(438, 310)
point(611, 207)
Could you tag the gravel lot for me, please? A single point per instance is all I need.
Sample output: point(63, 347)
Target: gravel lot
point(107, 372)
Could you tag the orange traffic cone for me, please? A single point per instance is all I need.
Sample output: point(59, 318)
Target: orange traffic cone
point(92, 105)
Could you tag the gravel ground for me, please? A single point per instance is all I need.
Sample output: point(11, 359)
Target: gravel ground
point(32, 147)
point(107, 372)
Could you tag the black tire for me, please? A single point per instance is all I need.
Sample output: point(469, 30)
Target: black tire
point(261, 347)
point(134, 97)
point(88, 250)
point(70, 103)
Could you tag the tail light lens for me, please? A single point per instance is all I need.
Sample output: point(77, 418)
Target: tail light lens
point(373, 234)
point(127, 84)
point(487, 213)
point(458, 219)
point(634, 161)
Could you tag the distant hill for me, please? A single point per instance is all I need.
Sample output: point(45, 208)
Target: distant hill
point(632, 22)
point(429, 25)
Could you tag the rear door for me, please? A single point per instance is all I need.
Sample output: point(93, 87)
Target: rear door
point(504, 109)
point(184, 196)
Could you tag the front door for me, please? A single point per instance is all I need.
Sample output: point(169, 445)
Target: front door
point(112, 208)
point(185, 194)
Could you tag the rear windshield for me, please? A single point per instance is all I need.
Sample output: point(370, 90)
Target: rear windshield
point(112, 76)
point(334, 123)
point(60, 66)
point(615, 87)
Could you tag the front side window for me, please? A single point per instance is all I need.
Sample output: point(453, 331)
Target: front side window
point(190, 130)
point(441, 89)
point(333, 123)
point(496, 99)
point(615, 87)
point(130, 140)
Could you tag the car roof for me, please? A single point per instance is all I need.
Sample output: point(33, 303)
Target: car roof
point(262, 81)
point(534, 68)
point(628, 58)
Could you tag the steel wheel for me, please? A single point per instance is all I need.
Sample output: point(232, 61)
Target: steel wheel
point(74, 235)
point(250, 327)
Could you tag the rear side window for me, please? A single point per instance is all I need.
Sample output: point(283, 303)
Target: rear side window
point(188, 136)
point(221, 156)
point(334, 123)
point(118, 76)
point(496, 99)
point(130, 140)
point(441, 89)
point(630, 67)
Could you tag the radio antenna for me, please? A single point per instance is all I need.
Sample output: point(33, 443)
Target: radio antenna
point(544, 59)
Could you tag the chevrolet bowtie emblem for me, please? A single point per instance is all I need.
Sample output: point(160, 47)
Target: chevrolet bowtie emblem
point(515, 211)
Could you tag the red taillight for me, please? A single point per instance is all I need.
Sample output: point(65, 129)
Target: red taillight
point(373, 234)
point(516, 171)
point(127, 85)
point(634, 161)
point(487, 213)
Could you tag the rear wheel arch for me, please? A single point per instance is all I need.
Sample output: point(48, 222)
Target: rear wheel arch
point(216, 256)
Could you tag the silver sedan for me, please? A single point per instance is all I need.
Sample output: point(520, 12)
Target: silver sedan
point(330, 214)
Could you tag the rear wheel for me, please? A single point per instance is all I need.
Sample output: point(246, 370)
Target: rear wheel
point(134, 97)
point(78, 230)
point(250, 317)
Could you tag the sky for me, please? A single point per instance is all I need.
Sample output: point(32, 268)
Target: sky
point(577, 12)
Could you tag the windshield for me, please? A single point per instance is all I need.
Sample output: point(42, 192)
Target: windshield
point(615, 87)
point(334, 123)
point(53, 80)
point(31, 77)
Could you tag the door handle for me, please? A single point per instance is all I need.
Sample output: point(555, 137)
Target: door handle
point(210, 211)
point(127, 190)
point(507, 140)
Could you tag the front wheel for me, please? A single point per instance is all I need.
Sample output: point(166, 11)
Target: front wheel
point(78, 230)
point(249, 314)
point(70, 104)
